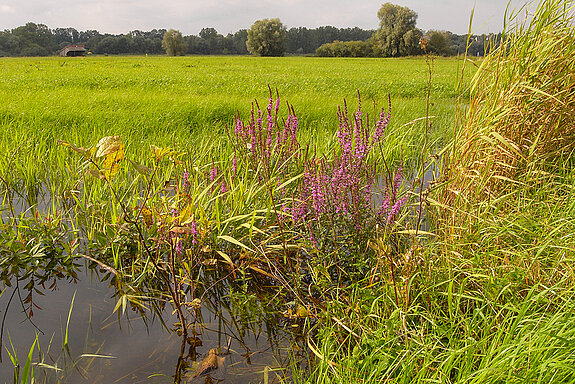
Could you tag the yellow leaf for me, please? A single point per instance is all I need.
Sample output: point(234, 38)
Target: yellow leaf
point(259, 270)
point(301, 311)
point(186, 215)
point(159, 152)
point(147, 216)
point(181, 230)
point(111, 164)
point(96, 173)
point(83, 151)
point(196, 303)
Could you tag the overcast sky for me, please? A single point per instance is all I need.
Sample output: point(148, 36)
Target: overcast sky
point(190, 16)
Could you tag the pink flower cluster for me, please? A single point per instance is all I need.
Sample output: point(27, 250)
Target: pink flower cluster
point(391, 205)
point(343, 188)
point(274, 142)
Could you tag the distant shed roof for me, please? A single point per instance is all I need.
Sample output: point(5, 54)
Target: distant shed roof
point(74, 50)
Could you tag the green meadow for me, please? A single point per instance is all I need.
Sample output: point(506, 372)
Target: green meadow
point(432, 243)
point(183, 101)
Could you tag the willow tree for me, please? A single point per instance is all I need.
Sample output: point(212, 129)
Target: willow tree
point(397, 34)
point(267, 37)
point(173, 43)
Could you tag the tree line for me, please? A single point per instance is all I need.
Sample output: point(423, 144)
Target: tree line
point(397, 35)
point(39, 40)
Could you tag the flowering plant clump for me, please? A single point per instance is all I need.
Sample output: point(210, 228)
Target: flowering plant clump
point(325, 199)
point(340, 192)
point(266, 145)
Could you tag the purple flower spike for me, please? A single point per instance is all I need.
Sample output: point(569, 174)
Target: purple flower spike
point(185, 179)
point(396, 208)
point(194, 228)
point(179, 247)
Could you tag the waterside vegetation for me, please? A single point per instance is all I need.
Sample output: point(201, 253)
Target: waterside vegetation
point(467, 278)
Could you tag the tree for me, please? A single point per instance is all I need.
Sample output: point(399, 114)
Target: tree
point(173, 43)
point(338, 48)
point(267, 37)
point(64, 36)
point(439, 42)
point(34, 40)
point(214, 41)
point(397, 34)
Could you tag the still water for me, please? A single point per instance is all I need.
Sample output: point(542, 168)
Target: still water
point(252, 344)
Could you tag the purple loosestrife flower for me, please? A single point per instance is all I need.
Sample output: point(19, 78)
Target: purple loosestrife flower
point(368, 192)
point(319, 195)
point(185, 179)
point(277, 107)
point(175, 214)
point(223, 188)
point(179, 247)
point(213, 173)
point(239, 128)
point(194, 228)
point(390, 206)
point(270, 127)
point(294, 126)
point(395, 209)
point(259, 126)
point(397, 181)
point(252, 133)
point(357, 125)
point(234, 165)
point(286, 130)
point(384, 209)
point(380, 126)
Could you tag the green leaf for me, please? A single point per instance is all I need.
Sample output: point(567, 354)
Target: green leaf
point(226, 258)
point(98, 356)
point(28, 366)
point(142, 169)
point(230, 239)
point(68, 321)
point(288, 182)
point(414, 232)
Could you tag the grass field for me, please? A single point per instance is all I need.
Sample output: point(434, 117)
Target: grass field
point(179, 101)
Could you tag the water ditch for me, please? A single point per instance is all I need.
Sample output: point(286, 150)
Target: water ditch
point(253, 343)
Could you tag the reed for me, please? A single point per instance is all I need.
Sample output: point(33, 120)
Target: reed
point(509, 172)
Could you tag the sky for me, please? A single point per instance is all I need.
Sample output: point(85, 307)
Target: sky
point(228, 16)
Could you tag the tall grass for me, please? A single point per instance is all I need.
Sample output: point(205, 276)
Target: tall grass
point(492, 295)
point(509, 177)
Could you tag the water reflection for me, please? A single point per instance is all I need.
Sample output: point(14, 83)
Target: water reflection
point(123, 347)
